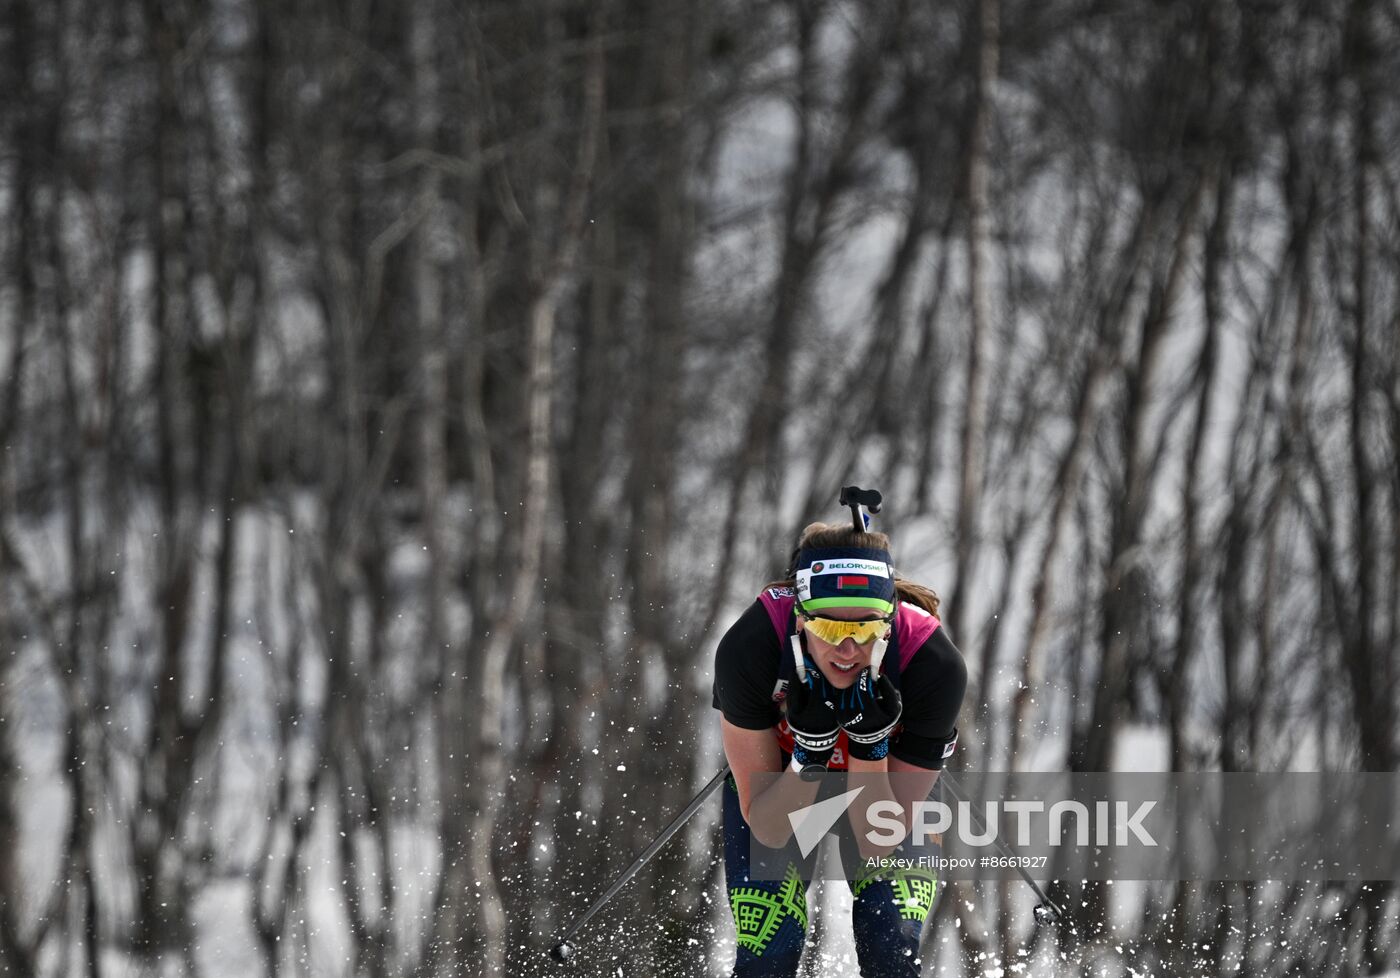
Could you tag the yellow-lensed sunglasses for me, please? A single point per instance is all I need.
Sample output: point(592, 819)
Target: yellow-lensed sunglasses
point(835, 631)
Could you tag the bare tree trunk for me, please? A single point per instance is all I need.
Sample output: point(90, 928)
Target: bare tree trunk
point(489, 769)
point(434, 353)
point(159, 926)
point(979, 263)
point(16, 953)
point(655, 434)
point(1187, 639)
point(926, 427)
point(1192, 582)
point(454, 735)
point(288, 826)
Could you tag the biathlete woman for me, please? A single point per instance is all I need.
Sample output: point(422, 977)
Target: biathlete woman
point(842, 666)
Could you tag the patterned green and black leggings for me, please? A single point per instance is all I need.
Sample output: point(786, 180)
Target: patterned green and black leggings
point(889, 910)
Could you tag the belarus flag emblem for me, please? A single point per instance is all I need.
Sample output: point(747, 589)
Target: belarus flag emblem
point(844, 582)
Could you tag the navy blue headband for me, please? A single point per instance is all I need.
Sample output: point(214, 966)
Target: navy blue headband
point(829, 577)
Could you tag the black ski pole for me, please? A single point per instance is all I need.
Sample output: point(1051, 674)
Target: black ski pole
point(1047, 909)
point(563, 950)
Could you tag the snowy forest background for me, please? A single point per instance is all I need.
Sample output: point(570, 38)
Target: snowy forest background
point(398, 400)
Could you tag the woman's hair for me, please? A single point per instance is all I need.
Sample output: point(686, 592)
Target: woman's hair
point(823, 535)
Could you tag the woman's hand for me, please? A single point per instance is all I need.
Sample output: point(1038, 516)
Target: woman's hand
point(868, 712)
point(810, 716)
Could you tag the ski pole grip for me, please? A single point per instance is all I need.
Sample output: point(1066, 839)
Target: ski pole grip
point(856, 497)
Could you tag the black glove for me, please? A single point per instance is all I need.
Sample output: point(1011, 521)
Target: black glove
point(811, 719)
point(868, 711)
